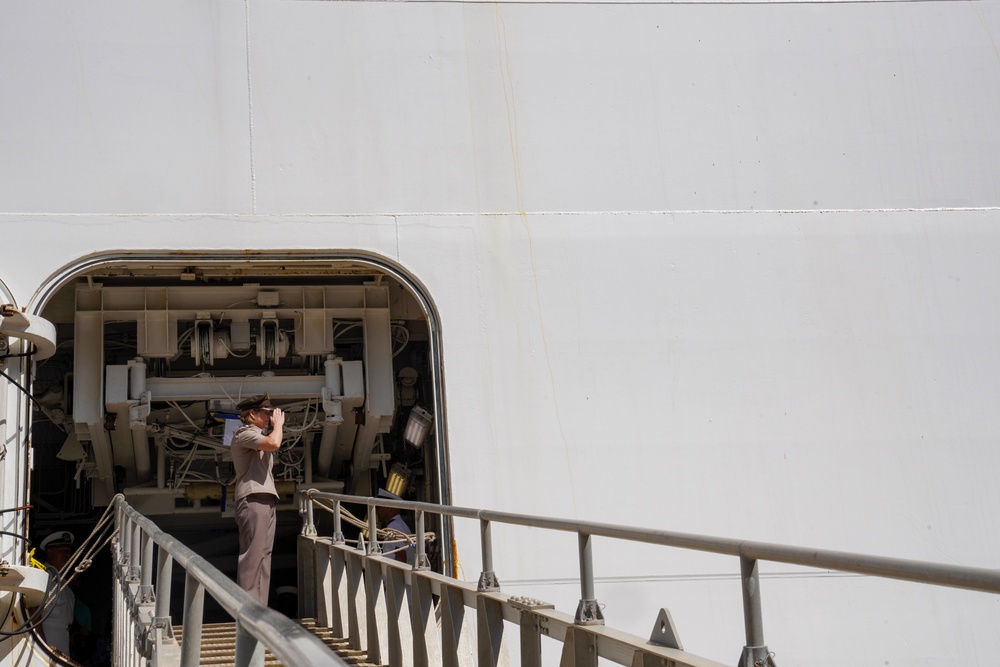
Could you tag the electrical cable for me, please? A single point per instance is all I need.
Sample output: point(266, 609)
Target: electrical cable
point(6, 532)
point(45, 607)
point(23, 390)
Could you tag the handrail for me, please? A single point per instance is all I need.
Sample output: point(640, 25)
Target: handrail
point(755, 651)
point(954, 576)
point(287, 640)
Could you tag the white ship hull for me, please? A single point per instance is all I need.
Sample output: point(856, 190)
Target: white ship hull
point(726, 268)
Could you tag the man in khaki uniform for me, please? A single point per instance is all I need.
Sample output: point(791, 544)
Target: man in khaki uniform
point(256, 495)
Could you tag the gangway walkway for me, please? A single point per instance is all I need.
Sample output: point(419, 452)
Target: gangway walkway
point(218, 645)
point(376, 610)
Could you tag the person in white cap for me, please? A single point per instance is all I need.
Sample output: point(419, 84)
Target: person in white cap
point(256, 494)
point(389, 518)
point(58, 547)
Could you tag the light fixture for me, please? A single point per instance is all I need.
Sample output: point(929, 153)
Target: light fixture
point(417, 426)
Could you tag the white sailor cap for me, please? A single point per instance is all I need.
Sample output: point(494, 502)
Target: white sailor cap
point(382, 493)
point(60, 538)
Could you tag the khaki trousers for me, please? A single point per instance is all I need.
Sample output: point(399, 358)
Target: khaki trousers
point(255, 521)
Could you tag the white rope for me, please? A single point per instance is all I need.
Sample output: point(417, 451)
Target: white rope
point(83, 557)
point(382, 534)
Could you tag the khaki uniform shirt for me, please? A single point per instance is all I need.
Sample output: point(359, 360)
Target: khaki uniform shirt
point(253, 467)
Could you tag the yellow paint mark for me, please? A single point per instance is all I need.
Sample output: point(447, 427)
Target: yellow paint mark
point(989, 35)
point(509, 105)
point(511, 108)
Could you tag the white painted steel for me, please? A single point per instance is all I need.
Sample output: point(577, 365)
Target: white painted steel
point(717, 268)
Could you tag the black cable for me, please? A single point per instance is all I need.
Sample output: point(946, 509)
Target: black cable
point(20, 537)
point(18, 385)
point(32, 621)
point(16, 509)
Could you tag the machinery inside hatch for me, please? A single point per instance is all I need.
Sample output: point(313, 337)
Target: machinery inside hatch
point(140, 397)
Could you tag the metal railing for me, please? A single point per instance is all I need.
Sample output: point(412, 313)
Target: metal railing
point(339, 569)
point(143, 633)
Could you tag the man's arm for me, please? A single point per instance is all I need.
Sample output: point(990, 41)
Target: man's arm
point(272, 441)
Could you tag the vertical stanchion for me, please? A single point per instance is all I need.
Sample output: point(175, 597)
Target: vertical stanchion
point(310, 525)
point(146, 571)
point(249, 650)
point(755, 652)
point(164, 576)
point(338, 532)
point(487, 578)
point(124, 540)
point(121, 567)
point(421, 562)
point(194, 608)
point(588, 612)
point(136, 551)
point(373, 546)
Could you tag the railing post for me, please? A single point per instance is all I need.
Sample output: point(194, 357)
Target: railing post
point(133, 591)
point(355, 571)
point(487, 578)
point(452, 620)
point(164, 580)
point(124, 541)
point(118, 609)
point(194, 608)
point(306, 511)
point(249, 650)
point(420, 562)
point(337, 573)
point(338, 532)
point(146, 571)
point(588, 612)
point(421, 618)
point(135, 562)
point(305, 559)
point(373, 546)
point(755, 653)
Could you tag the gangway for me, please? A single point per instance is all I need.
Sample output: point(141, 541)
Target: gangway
point(358, 606)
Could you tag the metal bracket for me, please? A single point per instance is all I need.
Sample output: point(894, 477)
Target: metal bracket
point(159, 633)
point(333, 408)
point(756, 656)
point(147, 594)
point(588, 612)
point(665, 632)
point(525, 603)
point(139, 410)
point(420, 562)
point(488, 582)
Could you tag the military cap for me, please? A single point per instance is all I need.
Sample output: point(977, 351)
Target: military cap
point(60, 538)
point(262, 402)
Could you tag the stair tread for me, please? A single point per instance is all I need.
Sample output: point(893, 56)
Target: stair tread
point(218, 644)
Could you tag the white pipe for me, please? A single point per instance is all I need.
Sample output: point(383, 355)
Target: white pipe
point(140, 447)
point(136, 378)
point(326, 445)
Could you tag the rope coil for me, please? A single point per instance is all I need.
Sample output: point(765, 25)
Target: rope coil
point(382, 534)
